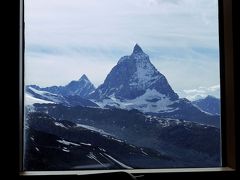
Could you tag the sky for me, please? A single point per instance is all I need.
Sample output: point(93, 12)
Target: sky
point(65, 39)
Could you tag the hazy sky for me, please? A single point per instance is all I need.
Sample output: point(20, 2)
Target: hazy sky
point(68, 38)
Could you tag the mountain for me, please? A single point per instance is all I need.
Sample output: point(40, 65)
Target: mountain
point(131, 78)
point(209, 104)
point(183, 142)
point(133, 120)
point(134, 83)
point(64, 145)
point(183, 109)
point(73, 94)
point(35, 94)
point(83, 87)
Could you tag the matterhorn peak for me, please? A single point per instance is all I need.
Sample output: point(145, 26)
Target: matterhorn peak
point(132, 77)
point(137, 49)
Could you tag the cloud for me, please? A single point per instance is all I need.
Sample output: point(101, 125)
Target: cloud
point(107, 23)
point(60, 70)
point(214, 88)
point(190, 91)
point(201, 92)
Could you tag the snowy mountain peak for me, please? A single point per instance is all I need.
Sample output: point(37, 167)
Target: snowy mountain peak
point(137, 49)
point(84, 78)
point(82, 87)
point(132, 77)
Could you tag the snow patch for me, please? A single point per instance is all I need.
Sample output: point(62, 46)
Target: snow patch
point(164, 123)
point(86, 144)
point(65, 149)
point(118, 162)
point(30, 100)
point(142, 103)
point(132, 145)
point(60, 125)
point(92, 156)
point(67, 143)
point(146, 72)
point(101, 149)
point(93, 129)
point(54, 98)
point(144, 152)
point(118, 140)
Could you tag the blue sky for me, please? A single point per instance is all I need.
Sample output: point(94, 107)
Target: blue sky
point(68, 38)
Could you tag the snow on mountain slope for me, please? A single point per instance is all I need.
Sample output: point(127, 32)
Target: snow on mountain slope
point(30, 100)
point(82, 87)
point(47, 96)
point(134, 83)
point(39, 93)
point(146, 74)
point(150, 101)
point(94, 129)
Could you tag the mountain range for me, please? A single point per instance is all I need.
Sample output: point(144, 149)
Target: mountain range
point(63, 138)
point(133, 120)
point(82, 87)
point(73, 94)
point(134, 83)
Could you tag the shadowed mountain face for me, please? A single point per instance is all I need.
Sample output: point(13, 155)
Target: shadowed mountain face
point(169, 136)
point(209, 104)
point(64, 145)
point(128, 140)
